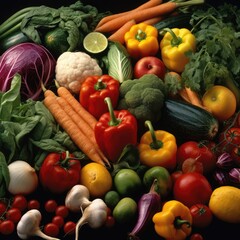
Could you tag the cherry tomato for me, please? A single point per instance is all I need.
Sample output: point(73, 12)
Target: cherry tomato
point(58, 220)
point(20, 202)
point(62, 211)
point(3, 208)
point(203, 151)
point(196, 236)
point(7, 227)
point(192, 188)
point(14, 214)
point(175, 175)
point(235, 154)
point(229, 139)
point(69, 227)
point(201, 215)
point(110, 221)
point(51, 229)
point(33, 204)
point(50, 205)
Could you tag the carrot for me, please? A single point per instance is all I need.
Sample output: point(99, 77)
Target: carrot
point(65, 121)
point(145, 14)
point(66, 94)
point(152, 21)
point(118, 35)
point(148, 4)
point(81, 124)
point(194, 98)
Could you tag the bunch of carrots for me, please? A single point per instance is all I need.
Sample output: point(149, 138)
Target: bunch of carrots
point(150, 12)
point(76, 121)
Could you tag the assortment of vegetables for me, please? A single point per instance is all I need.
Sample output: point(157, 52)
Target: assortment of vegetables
point(164, 161)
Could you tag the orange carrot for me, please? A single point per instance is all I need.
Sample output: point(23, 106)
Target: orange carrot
point(82, 125)
point(144, 14)
point(194, 98)
point(65, 121)
point(152, 21)
point(66, 94)
point(148, 4)
point(118, 35)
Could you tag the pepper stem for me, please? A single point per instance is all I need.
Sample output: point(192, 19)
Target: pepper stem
point(178, 222)
point(113, 120)
point(141, 35)
point(155, 144)
point(175, 39)
point(99, 85)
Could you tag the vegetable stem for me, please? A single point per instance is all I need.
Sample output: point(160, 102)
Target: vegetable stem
point(189, 3)
point(9, 31)
point(114, 121)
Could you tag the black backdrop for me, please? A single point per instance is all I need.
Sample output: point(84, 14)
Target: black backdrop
point(8, 7)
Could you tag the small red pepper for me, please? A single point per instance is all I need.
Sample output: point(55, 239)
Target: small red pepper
point(115, 130)
point(93, 91)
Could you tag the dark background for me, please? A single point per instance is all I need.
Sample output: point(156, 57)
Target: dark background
point(8, 7)
point(219, 230)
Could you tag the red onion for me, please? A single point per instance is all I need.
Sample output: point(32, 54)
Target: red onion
point(225, 161)
point(221, 177)
point(234, 176)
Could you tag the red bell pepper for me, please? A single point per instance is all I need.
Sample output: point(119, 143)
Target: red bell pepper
point(93, 91)
point(59, 172)
point(114, 130)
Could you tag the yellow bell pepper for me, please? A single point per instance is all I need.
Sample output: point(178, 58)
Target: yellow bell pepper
point(174, 221)
point(142, 40)
point(174, 46)
point(157, 148)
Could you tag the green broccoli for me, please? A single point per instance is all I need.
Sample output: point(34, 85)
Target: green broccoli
point(143, 97)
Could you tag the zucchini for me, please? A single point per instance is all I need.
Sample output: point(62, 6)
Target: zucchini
point(56, 41)
point(179, 21)
point(188, 122)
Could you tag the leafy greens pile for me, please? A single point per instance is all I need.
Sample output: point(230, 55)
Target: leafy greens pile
point(217, 58)
point(28, 132)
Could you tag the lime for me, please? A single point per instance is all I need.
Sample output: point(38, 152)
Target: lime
point(125, 211)
point(111, 198)
point(95, 42)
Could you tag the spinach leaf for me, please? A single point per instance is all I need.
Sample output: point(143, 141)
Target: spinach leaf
point(4, 175)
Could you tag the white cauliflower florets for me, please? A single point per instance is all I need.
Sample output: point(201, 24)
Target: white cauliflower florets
point(72, 68)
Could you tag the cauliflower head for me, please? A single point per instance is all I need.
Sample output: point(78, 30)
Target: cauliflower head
point(72, 68)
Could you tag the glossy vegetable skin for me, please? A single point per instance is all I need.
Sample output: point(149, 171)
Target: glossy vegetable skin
point(93, 91)
point(59, 172)
point(188, 122)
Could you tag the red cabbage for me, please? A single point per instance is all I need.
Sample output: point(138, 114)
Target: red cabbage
point(33, 62)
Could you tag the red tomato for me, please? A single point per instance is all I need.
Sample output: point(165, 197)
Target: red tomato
point(229, 139)
point(50, 205)
point(58, 220)
point(175, 175)
point(69, 227)
point(62, 211)
point(51, 229)
point(7, 227)
point(20, 202)
point(33, 204)
point(14, 214)
point(3, 208)
point(235, 154)
point(196, 236)
point(192, 188)
point(202, 150)
point(201, 215)
point(59, 172)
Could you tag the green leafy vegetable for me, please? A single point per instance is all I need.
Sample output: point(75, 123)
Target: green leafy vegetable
point(119, 63)
point(4, 175)
point(217, 59)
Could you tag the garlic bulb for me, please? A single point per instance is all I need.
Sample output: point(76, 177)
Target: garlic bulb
point(23, 178)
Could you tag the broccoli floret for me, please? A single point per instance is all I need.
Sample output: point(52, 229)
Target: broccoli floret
point(143, 97)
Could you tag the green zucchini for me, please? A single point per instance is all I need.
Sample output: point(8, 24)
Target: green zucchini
point(56, 41)
point(188, 122)
point(12, 40)
point(179, 21)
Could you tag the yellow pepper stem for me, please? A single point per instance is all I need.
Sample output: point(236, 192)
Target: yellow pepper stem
point(175, 39)
point(141, 35)
point(178, 222)
point(155, 144)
